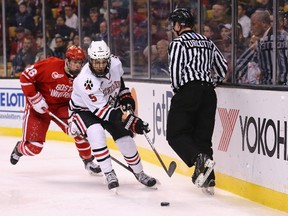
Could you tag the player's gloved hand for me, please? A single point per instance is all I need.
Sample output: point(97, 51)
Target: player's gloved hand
point(38, 103)
point(136, 125)
point(126, 100)
point(73, 130)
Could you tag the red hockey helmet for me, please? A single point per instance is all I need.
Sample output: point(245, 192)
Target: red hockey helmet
point(75, 53)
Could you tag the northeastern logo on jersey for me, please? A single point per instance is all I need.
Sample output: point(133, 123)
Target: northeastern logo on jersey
point(56, 75)
point(88, 84)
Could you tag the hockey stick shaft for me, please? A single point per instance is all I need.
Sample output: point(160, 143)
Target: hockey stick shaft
point(172, 165)
point(84, 138)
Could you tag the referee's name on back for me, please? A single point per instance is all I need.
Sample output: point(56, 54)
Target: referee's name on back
point(195, 43)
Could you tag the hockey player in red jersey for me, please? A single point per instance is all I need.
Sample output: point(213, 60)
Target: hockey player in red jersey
point(98, 94)
point(48, 85)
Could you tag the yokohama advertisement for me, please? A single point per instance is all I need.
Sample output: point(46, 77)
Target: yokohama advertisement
point(250, 138)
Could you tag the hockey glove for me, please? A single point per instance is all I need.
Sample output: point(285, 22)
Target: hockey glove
point(136, 125)
point(38, 103)
point(73, 130)
point(126, 100)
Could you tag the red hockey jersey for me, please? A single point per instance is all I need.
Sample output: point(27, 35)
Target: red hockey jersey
point(49, 78)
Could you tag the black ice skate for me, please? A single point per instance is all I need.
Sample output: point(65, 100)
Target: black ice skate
point(15, 155)
point(93, 169)
point(203, 167)
point(209, 184)
point(112, 180)
point(145, 179)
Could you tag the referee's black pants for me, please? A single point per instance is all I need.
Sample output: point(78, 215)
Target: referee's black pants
point(191, 119)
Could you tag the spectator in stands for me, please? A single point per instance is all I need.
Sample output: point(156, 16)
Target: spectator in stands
point(157, 32)
point(93, 23)
point(141, 40)
point(87, 40)
point(115, 21)
point(61, 47)
point(104, 10)
point(39, 56)
point(24, 19)
point(24, 58)
point(103, 34)
point(262, 52)
point(76, 40)
point(162, 61)
point(17, 43)
point(60, 4)
point(208, 32)
point(121, 43)
point(71, 17)
point(153, 59)
point(219, 16)
point(61, 28)
point(40, 47)
point(161, 9)
point(225, 46)
point(122, 8)
point(244, 20)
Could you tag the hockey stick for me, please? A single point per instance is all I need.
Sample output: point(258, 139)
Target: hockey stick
point(84, 138)
point(172, 165)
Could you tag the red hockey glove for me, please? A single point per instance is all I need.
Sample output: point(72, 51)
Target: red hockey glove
point(136, 125)
point(126, 100)
point(38, 103)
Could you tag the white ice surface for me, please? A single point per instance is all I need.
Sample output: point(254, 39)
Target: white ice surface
point(55, 183)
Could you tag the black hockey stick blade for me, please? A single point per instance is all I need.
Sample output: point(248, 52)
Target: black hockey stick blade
point(171, 168)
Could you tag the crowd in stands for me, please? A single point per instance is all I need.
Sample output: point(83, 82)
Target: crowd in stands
point(62, 29)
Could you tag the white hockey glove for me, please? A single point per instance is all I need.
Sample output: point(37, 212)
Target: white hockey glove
point(38, 103)
point(73, 130)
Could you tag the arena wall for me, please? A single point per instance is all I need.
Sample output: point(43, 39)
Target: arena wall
point(249, 141)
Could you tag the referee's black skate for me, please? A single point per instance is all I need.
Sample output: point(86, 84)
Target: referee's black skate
point(93, 168)
point(112, 180)
point(203, 167)
point(209, 184)
point(15, 155)
point(144, 179)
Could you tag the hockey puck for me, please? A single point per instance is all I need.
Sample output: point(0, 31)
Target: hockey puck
point(165, 203)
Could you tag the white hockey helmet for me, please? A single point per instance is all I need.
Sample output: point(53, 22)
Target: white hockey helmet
point(99, 58)
point(99, 50)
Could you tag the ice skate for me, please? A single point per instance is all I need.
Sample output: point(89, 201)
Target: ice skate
point(145, 179)
point(203, 167)
point(112, 180)
point(208, 187)
point(15, 155)
point(93, 169)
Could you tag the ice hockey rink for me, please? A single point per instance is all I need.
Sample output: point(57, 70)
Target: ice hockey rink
point(56, 183)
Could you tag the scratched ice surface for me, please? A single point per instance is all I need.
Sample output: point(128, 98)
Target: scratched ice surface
point(55, 183)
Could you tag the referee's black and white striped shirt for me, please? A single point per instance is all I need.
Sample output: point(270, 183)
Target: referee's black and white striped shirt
point(193, 57)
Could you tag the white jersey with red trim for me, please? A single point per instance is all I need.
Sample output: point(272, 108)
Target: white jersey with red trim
point(97, 94)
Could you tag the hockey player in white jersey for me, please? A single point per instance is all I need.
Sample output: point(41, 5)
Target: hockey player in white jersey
point(98, 98)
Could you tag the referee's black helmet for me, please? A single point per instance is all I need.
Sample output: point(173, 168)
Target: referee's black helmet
point(183, 16)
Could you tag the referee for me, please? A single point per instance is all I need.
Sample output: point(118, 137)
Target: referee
point(196, 66)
